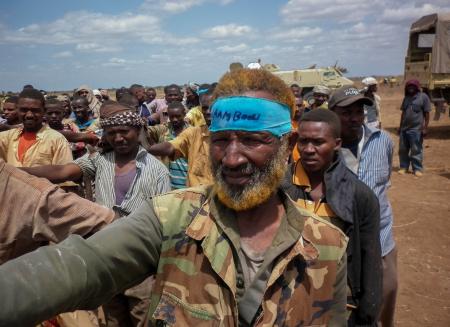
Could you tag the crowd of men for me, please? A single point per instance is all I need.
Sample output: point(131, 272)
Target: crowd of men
point(236, 203)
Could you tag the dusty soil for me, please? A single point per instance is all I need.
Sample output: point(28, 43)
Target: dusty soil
point(421, 222)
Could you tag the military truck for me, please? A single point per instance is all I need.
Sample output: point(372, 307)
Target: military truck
point(428, 56)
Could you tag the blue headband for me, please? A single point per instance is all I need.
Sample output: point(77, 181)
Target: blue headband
point(202, 91)
point(240, 113)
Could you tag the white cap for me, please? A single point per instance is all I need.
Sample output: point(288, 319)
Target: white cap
point(96, 92)
point(254, 65)
point(321, 89)
point(369, 81)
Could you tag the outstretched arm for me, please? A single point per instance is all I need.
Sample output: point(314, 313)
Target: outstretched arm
point(164, 149)
point(35, 211)
point(89, 138)
point(56, 173)
point(78, 273)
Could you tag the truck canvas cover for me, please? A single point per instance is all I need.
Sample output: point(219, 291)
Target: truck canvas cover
point(441, 46)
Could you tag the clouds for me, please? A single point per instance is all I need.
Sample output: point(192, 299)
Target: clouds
point(96, 47)
point(233, 48)
point(409, 12)
point(226, 31)
point(63, 54)
point(178, 6)
point(396, 12)
point(159, 41)
point(297, 11)
point(94, 32)
point(296, 34)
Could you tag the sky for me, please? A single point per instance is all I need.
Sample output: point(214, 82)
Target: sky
point(59, 45)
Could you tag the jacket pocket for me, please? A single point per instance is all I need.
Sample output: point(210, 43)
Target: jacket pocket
point(171, 311)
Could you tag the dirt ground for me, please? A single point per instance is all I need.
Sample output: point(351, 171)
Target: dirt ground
point(421, 222)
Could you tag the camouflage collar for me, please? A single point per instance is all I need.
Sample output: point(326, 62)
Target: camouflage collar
point(203, 227)
point(202, 222)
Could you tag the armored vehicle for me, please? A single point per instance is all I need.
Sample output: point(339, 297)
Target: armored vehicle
point(305, 78)
point(308, 78)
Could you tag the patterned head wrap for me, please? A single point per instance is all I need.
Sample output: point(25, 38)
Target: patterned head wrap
point(115, 114)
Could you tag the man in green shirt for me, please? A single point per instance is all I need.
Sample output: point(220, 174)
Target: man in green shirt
point(238, 252)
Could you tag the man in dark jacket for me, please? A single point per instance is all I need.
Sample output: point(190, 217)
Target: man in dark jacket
point(321, 183)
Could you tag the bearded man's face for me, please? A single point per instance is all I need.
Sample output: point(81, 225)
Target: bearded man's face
point(248, 166)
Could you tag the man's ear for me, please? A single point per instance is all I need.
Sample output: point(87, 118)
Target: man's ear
point(292, 140)
point(338, 144)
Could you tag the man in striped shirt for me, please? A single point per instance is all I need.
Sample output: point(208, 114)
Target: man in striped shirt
point(124, 178)
point(165, 132)
point(368, 153)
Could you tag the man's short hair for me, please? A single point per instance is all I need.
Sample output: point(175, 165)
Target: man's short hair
point(32, 94)
point(176, 105)
point(12, 99)
point(243, 80)
point(129, 100)
point(171, 87)
point(80, 98)
point(151, 89)
point(324, 116)
point(120, 92)
point(136, 86)
point(54, 103)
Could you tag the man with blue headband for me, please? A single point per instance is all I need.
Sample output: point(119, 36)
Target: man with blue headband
point(235, 253)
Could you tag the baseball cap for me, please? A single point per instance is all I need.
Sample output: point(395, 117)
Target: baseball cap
point(346, 96)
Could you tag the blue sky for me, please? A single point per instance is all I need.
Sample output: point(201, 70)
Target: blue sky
point(59, 45)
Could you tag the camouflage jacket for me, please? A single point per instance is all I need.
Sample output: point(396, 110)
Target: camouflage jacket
point(177, 237)
point(196, 279)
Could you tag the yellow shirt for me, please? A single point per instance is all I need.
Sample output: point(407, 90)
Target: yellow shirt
point(51, 148)
point(193, 144)
point(322, 106)
point(320, 208)
point(195, 117)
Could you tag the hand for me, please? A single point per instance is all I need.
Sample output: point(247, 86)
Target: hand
point(424, 131)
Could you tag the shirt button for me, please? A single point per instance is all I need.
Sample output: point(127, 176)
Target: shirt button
point(240, 282)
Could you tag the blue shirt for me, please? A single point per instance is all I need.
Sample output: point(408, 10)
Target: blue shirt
point(374, 169)
point(414, 108)
point(144, 112)
point(178, 168)
point(83, 126)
